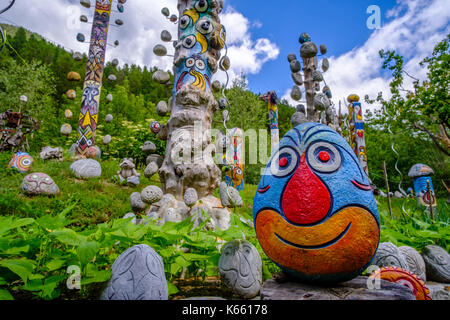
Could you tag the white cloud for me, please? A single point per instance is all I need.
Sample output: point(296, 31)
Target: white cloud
point(417, 27)
point(141, 31)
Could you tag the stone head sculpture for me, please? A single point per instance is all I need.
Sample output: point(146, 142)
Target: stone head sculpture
point(314, 211)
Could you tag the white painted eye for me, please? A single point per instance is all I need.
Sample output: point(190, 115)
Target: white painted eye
point(189, 42)
point(26, 162)
point(204, 26)
point(201, 6)
point(324, 157)
point(190, 62)
point(200, 64)
point(184, 22)
point(284, 162)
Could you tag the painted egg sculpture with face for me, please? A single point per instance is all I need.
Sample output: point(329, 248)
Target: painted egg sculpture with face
point(314, 212)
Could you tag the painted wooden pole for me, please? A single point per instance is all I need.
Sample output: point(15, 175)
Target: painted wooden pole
point(271, 99)
point(235, 159)
point(430, 196)
point(87, 124)
point(357, 133)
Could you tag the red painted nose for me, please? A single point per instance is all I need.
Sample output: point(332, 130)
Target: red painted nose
point(306, 199)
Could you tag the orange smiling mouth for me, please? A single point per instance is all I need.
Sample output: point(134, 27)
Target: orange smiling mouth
point(354, 235)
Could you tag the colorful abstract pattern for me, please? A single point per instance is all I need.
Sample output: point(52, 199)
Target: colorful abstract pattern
point(405, 278)
point(21, 161)
point(199, 35)
point(315, 214)
point(87, 122)
point(271, 99)
point(235, 159)
point(357, 134)
point(39, 183)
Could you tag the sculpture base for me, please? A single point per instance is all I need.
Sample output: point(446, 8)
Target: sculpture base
point(173, 210)
point(356, 289)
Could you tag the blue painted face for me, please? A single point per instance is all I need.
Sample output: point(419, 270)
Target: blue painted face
point(329, 157)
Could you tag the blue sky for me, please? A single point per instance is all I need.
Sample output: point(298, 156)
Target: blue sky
point(261, 34)
point(341, 25)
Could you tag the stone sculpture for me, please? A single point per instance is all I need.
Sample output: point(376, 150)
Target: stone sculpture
point(272, 101)
point(235, 159)
point(39, 184)
point(388, 255)
point(437, 262)
point(51, 153)
point(357, 133)
point(415, 261)
point(421, 174)
point(66, 129)
point(138, 274)
point(137, 205)
point(86, 169)
point(128, 173)
point(240, 268)
point(313, 206)
point(21, 161)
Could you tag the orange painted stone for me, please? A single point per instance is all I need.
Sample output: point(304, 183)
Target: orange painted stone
point(73, 76)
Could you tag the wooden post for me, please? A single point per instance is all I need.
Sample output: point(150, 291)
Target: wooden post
point(387, 188)
point(430, 198)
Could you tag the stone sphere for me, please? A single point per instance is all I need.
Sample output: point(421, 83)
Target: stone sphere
point(304, 37)
point(240, 268)
point(155, 127)
point(21, 161)
point(109, 118)
point(388, 255)
point(66, 129)
point(151, 194)
point(166, 36)
point(86, 169)
point(295, 66)
point(137, 205)
point(131, 215)
point(71, 94)
point(165, 11)
point(151, 169)
point(437, 262)
point(162, 109)
point(190, 197)
point(138, 274)
point(323, 49)
point(415, 261)
point(73, 76)
point(225, 63)
point(39, 184)
point(313, 206)
point(298, 78)
point(216, 86)
point(296, 93)
point(77, 56)
point(161, 77)
point(160, 50)
point(317, 76)
point(109, 97)
point(81, 37)
point(308, 50)
point(112, 77)
point(107, 139)
point(115, 62)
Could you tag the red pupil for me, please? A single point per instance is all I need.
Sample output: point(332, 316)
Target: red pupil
point(324, 156)
point(283, 162)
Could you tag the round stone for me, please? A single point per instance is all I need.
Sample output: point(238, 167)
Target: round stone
point(162, 109)
point(81, 37)
point(308, 50)
point(226, 115)
point(160, 50)
point(225, 63)
point(116, 43)
point(86, 169)
point(298, 78)
point(234, 198)
point(115, 62)
point(325, 65)
point(109, 118)
point(83, 18)
point(295, 66)
point(216, 86)
point(94, 152)
point(165, 11)
point(437, 262)
point(223, 103)
point(155, 127)
point(77, 56)
point(415, 261)
point(21, 161)
point(296, 93)
point(323, 49)
point(107, 139)
point(73, 76)
point(145, 268)
point(112, 77)
point(151, 169)
point(71, 94)
point(129, 216)
point(298, 118)
point(317, 76)
point(68, 114)
point(161, 77)
point(119, 22)
point(291, 57)
point(190, 197)
point(301, 108)
point(151, 194)
point(137, 205)
point(321, 102)
point(86, 3)
point(388, 255)
point(39, 184)
point(148, 147)
point(166, 36)
point(240, 268)
point(66, 129)
point(109, 97)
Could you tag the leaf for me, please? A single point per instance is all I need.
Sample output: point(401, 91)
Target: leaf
point(69, 237)
point(9, 223)
point(93, 275)
point(5, 295)
point(55, 264)
point(87, 251)
point(17, 250)
point(22, 267)
point(172, 288)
